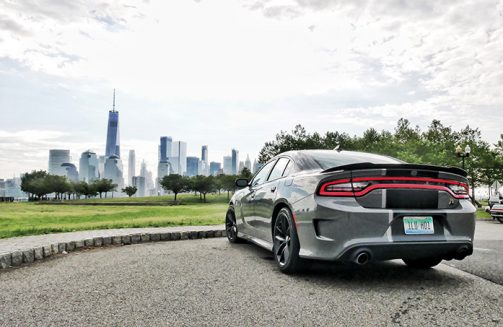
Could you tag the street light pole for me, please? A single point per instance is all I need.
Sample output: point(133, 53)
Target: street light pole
point(463, 153)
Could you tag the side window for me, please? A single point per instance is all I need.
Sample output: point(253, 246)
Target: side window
point(288, 169)
point(261, 176)
point(278, 169)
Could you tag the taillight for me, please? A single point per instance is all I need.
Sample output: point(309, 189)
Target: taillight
point(459, 189)
point(342, 187)
point(361, 186)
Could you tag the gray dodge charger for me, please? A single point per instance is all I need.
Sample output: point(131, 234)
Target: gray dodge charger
point(353, 206)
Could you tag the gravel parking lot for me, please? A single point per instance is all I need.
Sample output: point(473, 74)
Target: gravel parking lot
point(211, 282)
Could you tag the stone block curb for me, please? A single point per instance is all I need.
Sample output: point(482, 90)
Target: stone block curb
point(30, 255)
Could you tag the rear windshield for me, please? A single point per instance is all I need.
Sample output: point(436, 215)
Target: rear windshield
point(331, 159)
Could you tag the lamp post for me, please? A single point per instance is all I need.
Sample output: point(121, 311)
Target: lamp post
point(463, 153)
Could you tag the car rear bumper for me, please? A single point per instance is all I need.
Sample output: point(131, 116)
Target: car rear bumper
point(335, 231)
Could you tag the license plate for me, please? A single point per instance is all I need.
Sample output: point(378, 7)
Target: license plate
point(418, 225)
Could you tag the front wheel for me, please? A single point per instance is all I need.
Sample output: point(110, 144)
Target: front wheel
point(231, 227)
point(286, 243)
point(500, 219)
point(422, 263)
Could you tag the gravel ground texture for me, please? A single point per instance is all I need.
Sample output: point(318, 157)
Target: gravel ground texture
point(213, 283)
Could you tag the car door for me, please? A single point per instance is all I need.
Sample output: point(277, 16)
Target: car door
point(264, 200)
point(248, 200)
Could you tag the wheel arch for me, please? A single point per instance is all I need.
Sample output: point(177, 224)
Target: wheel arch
point(278, 206)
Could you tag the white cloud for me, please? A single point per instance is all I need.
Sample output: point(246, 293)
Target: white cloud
point(210, 72)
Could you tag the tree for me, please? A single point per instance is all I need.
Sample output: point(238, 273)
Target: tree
point(246, 173)
point(104, 186)
point(58, 185)
point(28, 185)
point(228, 183)
point(203, 185)
point(130, 190)
point(174, 183)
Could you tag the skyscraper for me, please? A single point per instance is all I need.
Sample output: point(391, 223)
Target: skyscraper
point(205, 165)
point(88, 166)
point(113, 171)
point(56, 159)
point(235, 161)
point(215, 168)
point(228, 165)
point(71, 172)
point(131, 168)
point(248, 163)
point(165, 148)
point(193, 166)
point(113, 142)
point(179, 159)
point(139, 182)
point(204, 154)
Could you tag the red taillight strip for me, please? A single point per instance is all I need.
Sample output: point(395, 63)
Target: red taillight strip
point(370, 188)
point(412, 179)
point(410, 186)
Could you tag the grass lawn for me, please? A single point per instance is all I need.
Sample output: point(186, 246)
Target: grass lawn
point(18, 219)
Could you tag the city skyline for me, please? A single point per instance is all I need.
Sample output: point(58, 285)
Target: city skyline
point(329, 65)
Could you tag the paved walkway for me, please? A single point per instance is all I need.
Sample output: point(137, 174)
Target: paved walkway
point(26, 249)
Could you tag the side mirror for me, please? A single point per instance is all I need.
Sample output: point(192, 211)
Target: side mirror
point(242, 182)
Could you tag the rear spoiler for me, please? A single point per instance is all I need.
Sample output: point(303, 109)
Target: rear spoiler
point(369, 165)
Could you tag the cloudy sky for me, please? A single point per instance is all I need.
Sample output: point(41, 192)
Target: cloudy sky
point(232, 73)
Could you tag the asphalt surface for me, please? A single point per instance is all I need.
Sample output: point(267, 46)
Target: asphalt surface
point(487, 258)
point(211, 282)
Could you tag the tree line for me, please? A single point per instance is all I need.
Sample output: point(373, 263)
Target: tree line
point(39, 185)
point(436, 145)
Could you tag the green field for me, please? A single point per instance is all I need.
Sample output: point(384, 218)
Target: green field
point(18, 219)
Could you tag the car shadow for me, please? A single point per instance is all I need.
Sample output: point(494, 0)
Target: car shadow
point(389, 274)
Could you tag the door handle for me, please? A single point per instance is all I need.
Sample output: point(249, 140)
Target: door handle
point(273, 189)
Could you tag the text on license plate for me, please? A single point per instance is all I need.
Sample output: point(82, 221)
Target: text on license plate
point(418, 225)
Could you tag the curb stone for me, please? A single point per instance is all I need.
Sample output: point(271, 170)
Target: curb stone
point(30, 255)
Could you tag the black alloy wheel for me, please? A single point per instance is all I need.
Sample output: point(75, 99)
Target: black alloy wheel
point(231, 228)
point(286, 243)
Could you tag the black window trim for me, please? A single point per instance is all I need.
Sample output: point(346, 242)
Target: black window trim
point(278, 159)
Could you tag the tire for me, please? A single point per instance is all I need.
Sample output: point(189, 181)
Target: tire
point(500, 219)
point(422, 263)
point(231, 228)
point(286, 243)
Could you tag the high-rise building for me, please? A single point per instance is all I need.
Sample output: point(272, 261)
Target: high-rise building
point(227, 165)
point(131, 167)
point(193, 164)
point(215, 167)
point(101, 166)
point(71, 172)
point(113, 142)
point(56, 159)
point(113, 171)
point(139, 183)
point(248, 163)
point(204, 154)
point(241, 166)
point(163, 169)
point(235, 161)
point(179, 159)
point(165, 148)
point(88, 166)
point(205, 165)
